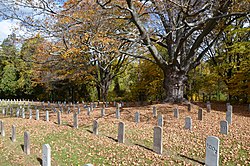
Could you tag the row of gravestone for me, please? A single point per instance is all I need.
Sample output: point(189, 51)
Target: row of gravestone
point(188, 120)
point(46, 150)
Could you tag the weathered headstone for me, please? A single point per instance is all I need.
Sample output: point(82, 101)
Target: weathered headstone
point(137, 117)
point(47, 116)
point(26, 143)
point(13, 133)
point(75, 118)
point(189, 107)
point(102, 112)
point(3, 111)
point(88, 111)
point(157, 147)
point(17, 112)
point(200, 114)
point(229, 114)
point(117, 114)
point(212, 151)
point(23, 113)
point(160, 121)
point(188, 123)
point(68, 111)
point(30, 115)
point(154, 111)
point(37, 114)
point(176, 113)
point(95, 127)
point(2, 128)
point(46, 155)
point(224, 127)
point(208, 106)
point(121, 132)
point(11, 111)
point(59, 118)
point(78, 110)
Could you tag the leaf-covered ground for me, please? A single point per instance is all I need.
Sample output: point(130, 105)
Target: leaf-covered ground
point(79, 146)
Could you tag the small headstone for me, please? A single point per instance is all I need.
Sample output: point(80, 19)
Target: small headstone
point(188, 123)
point(2, 128)
point(47, 116)
point(13, 133)
point(78, 110)
point(224, 127)
point(26, 143)
point(11, 111)
point(95, 127)
point(212, 151)
point(137, 117)
point(160, 121)
point(37, 114)
point(23, 113)
point(154, 111)
point(102, 112)
point(17, 112)
point(88, 111)
point(75, 117)
point(121, 132)
point(200, 114)
point(117, 114)
point(59, 118)
point(30, 115)
point(68, 111)
point(176, 113)
point(208, 106)
point(157, 147)
point(46, 155)
point(3, 111)
point(189, 107)
point(229, 114)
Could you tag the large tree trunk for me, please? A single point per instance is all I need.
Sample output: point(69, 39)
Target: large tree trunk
point(174, 83)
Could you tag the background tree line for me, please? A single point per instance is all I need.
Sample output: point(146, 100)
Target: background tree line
point(127, 50)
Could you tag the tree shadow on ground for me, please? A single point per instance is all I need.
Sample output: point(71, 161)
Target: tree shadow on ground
point(200, 162)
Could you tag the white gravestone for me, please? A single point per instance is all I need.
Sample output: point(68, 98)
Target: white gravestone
point(46, 155)
point(157, 147)
point(229, 114)
point(212, 151)
point(160, 121)
point(188, 123)
point(224, 127)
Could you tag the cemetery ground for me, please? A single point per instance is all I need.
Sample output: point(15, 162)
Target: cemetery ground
point(71, 146)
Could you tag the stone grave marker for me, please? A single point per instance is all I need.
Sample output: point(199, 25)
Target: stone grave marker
point(157, 147)
point(13, 133)
point(137, 117)
point(88, 111)
point(188, 123)
point(117, 114)
point(23, 113)
point(189, 107)
point(154, 111)
point(75, 117)
point(208, 106)
point(102, 112)
point(30, 115)
point(2, 128)
point(47, 116)
point(176, 113)
point(229, 114)
point(17, 112)
point(160, 121)
point(95, 127)
point(37, 114)
point(46, 155)
point(3, 111)
point(200, 114)
point(59, 122)
point(68, 110)
point(78, 110)
point(212, 151)
point(224, 127)
point(121, 132)
point(26, 143)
